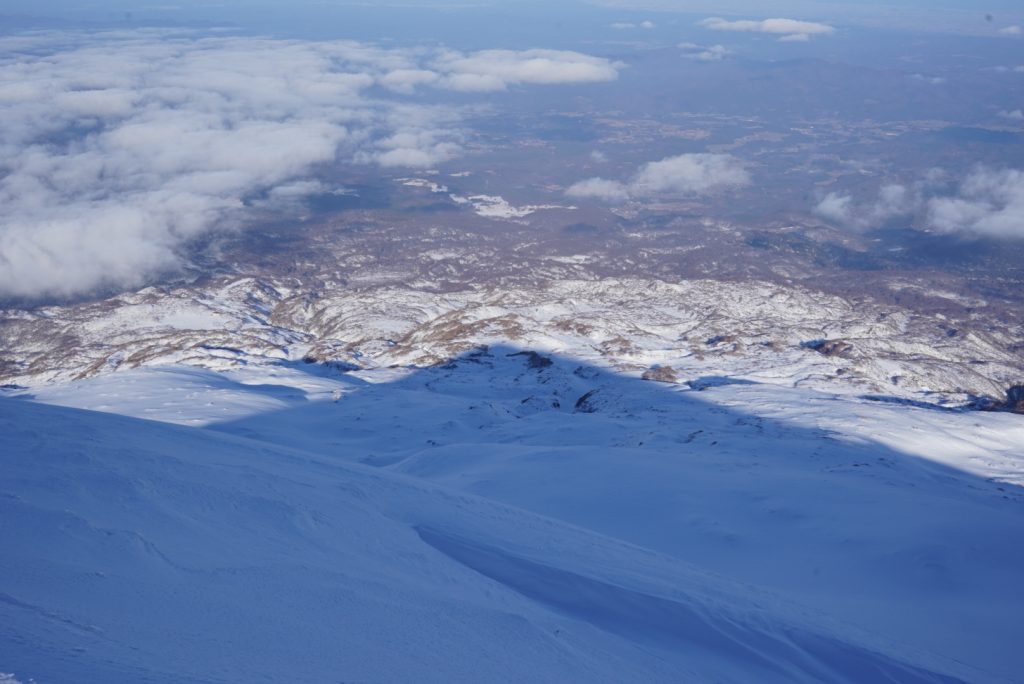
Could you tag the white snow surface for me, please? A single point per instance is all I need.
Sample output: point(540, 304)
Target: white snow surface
point(497, 207)
point(508, 516)
point(487, 206)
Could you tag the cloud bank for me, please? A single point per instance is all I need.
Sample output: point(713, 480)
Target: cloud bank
point(624, 25)
point(120, 150)
point(686, 174)
point(893, 200)
point(493, 70)
point(987, 203)
point(789, 30)
point(704, 53)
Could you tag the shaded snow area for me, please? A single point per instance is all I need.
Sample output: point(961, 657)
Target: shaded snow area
point(509, 516)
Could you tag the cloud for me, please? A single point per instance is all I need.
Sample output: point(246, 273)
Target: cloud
point(599, 188)
point(837, 208)
point(788, 29)
point(119, 151)
point(1011, 31)
point(495, 70)
point(419, 137)
point(1014, 115)
point(624, 25)
point(987, 203)
point(690, 174)
point(423, 147)
point(406, 80)
point(704, 53)
point(893, 200)
point(686, 174)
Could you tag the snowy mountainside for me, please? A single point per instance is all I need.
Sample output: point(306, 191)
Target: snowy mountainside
point(766, 332)
point(636, 480)
point(141, 552)
point(897, 519)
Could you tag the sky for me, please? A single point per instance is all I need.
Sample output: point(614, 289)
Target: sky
point(943, 15)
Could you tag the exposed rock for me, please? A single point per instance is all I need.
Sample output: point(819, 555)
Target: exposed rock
point(585, 404)
point(661, 374)
point(1014, 399)
point(534, 360)
point(701, 384)
point(333, 364)
point(720, 339)
point(1014, 402)
point(840, 348)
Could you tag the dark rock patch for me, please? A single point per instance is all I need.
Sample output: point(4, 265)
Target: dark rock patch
point(831, 348)
point(585, 404)
point(661, 374)
point(534, 360)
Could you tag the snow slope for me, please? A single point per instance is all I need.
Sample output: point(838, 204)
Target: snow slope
point(142, 552)
point(878, 518)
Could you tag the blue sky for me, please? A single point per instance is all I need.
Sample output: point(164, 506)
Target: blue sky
point(522, 22)
point(906, 12)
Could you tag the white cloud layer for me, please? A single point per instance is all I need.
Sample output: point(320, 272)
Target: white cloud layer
point(623, 25)
point(118, 150)
point(893, 200)
point(705, 53)
point(787, 29)
point(686, 174)
point(600, 188)
point(988, 203)
point(493, 70)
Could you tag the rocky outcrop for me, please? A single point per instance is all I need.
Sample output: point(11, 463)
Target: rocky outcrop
point(1015, 399)
point(661, 374)
point(534, 360)
point(1013, 403)
point(831, 348)
point(586, 403)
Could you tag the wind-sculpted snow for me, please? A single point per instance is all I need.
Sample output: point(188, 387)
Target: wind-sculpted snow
point(141, 552)
point(894, 518)
point(758, 653)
